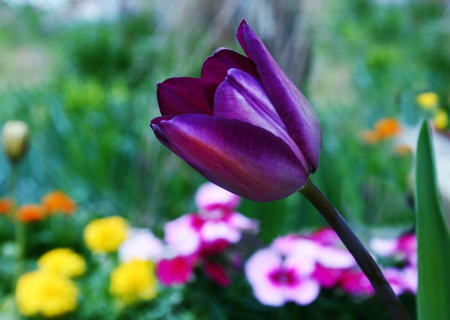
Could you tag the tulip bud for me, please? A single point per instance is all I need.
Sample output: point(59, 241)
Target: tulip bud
point(15, 139)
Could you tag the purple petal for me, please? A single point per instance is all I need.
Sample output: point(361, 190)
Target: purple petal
point(237, 156)
point(297, 114)
point(182, 95)
point(242, 97)
point(160, 134)
point(241, 38)
point(215, 69)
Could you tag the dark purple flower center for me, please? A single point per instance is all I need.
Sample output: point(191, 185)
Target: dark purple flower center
point(284, 277)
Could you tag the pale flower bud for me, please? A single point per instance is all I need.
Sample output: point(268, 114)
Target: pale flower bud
point(15, 139)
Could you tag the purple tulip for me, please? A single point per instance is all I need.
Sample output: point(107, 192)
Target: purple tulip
point(243, 125)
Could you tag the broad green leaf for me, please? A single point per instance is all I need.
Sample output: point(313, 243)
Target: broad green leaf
point(433, 240)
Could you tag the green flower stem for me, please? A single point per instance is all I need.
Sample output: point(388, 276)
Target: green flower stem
point(356, 248)
point(19, 226)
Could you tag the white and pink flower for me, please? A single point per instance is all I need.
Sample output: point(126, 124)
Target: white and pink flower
point(403, 248)
point(277, 279)
point(141, 244)
point(195, 237)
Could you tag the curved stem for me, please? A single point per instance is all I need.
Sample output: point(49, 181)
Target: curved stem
point(356, 248)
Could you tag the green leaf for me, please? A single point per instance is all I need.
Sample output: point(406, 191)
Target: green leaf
point(433, 239)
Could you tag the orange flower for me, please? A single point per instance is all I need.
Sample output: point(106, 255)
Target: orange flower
point(31, 212)
point(6, 205)
point(58, 201)
point(387, 128)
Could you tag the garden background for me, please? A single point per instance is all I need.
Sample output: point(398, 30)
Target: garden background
point(83, 76)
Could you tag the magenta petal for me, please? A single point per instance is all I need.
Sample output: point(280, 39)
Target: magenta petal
point(237, 156)
point(182, 95)
point(174, 271)
point(215, 69)
point(242, 97)
point(297, 114)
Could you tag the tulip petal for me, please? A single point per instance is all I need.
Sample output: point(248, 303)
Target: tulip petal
point(215, 69)
point(297, 114)
point(242, 97)
point(237, 156)
point(182, 95)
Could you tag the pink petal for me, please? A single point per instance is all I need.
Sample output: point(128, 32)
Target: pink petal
point(214, 230)
point(306, 292)
point(180, 235)
point(210, 197)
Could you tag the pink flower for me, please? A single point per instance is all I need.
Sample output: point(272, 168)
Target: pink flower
point(182, 236)
point(403, 248)
point(210, 197)
point(326, 236)
point(176, 271)
point(327, 277)
point(195, 237)
point(215, 226)
point(276, 279)
point(355, 282)
point(410, 278)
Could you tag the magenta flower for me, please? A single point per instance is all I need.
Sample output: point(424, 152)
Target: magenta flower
point(243, 125)
point(176, 271)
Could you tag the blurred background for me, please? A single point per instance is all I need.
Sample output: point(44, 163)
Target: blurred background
point(83, 75)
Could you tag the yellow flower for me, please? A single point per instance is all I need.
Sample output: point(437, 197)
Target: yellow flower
point(63, 262)
point(58, 201)
point(441, 120)
point(134, 280)
point(106, 234)
point(428, 100)
point(45, 293)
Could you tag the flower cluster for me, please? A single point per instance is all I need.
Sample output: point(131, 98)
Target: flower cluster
point(134, 279)
point(52, 203)
point(195, 238)
point(49, 291)
point(295, 267)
